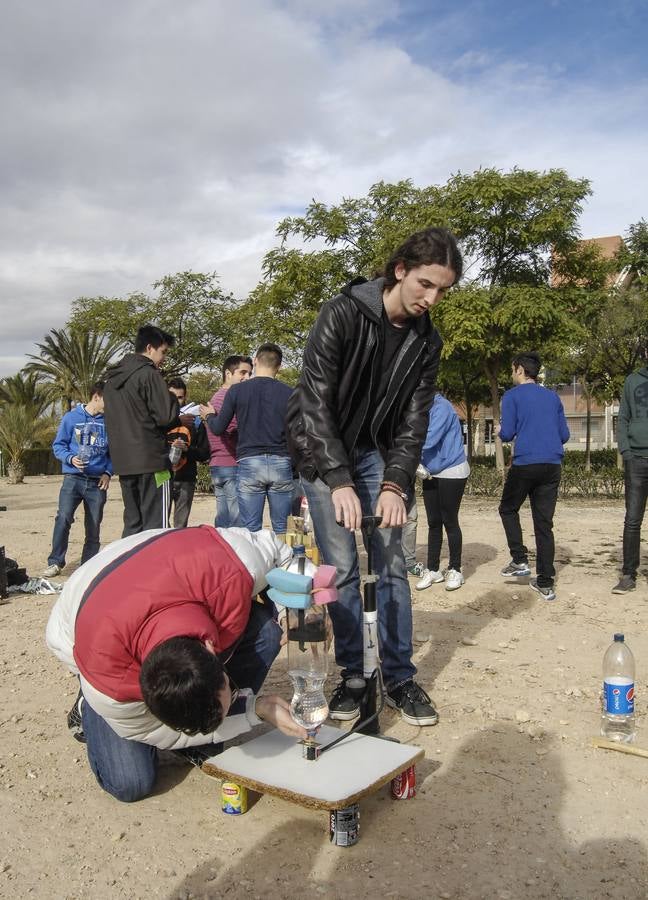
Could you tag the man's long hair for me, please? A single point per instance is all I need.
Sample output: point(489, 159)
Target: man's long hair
point(432, 246)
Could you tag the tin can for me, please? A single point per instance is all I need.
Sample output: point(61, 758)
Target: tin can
point(344, 825)
point(234, 798)
point(403, 787)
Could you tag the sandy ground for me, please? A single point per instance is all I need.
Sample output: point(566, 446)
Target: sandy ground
point(512, 800)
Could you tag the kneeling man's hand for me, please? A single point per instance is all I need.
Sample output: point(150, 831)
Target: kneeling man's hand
point(275, 710)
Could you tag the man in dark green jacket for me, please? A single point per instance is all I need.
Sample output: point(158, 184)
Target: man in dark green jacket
point(632, 439)
point(139, 410)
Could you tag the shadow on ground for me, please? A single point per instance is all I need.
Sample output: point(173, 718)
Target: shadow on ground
point(489, 824)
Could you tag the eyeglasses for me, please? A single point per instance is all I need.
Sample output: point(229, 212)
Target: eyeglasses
point(234, 689)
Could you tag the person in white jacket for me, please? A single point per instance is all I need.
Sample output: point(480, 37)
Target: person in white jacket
point(170, 647)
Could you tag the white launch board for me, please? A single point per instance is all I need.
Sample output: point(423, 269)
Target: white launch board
point(274, 764)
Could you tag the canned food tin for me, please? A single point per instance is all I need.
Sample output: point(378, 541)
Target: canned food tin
point(403, 787)
point(234, 798)
point(344, 825)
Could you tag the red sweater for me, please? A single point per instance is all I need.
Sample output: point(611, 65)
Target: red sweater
point(186, 583)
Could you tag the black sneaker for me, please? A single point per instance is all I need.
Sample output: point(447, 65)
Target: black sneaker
point(545, 591)
point(196, 756)
point(74, 720)
point(342, 706)
point(414, 704)
point(626, 583)
point(515, 570)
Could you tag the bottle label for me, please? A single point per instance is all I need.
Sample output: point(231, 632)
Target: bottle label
point(618, 697)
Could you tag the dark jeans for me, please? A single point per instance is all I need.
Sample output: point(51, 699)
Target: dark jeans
point(442, 499)
point(144, 503)
point(182, 493)
point(338, 548)
point(539, 482)
point(128, 769)
point(77, 489)
point(636, 492)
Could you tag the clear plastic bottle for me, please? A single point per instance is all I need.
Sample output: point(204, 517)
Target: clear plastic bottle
point(618, 720)
point(308, 640)
point(304, 512)
point(175, 454)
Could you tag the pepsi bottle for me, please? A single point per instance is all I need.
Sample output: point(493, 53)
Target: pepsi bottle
point(618, 719)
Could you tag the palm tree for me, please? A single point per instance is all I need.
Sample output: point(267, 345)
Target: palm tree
point(26, 390)
point(72, 360)
point(20, 430)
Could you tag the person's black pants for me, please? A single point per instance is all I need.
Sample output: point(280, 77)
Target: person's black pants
point(539, 482)
point(143, 503)
point(442, 499)
point(636, 492)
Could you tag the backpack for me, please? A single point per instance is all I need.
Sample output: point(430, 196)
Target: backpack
point(184, 433)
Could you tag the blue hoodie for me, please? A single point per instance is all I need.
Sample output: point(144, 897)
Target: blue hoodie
point(443, 447)
point(534, 416)
point(66, 442)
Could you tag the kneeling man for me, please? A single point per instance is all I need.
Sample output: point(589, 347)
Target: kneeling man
point(170, 648)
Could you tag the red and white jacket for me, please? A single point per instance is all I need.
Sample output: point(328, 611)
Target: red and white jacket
point(142, 590)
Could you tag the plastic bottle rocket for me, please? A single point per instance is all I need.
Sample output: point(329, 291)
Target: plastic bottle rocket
point(618, 717)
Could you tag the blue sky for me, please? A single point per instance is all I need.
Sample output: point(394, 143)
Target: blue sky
point(150, 138)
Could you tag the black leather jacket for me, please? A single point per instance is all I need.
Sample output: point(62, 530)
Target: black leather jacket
point(327, 409)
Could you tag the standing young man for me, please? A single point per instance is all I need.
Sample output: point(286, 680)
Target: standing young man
point(139, 412)
point(183, 485)
point(356, 423)
point(632, 438)
point(222, 461)
point(534, 416)
point(84, 480)
point(264, 466)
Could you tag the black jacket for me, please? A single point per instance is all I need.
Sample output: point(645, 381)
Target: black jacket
point(331, 401)
point(199, 450)
point(138, 410)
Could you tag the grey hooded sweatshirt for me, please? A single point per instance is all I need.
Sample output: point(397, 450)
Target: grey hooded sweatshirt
point(632, 427)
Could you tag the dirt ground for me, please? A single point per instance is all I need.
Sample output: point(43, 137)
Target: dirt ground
point(512, 800)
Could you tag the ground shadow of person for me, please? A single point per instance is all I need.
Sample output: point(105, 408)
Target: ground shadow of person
point(474, 555)
point(489, 824)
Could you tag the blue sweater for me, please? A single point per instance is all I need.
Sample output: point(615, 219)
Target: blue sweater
point(443, 446)
point(66, 442)
point(260, 406)
point(535, 417)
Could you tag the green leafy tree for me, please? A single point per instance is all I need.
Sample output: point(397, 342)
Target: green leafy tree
point(70, 361)
point(20, 430)
point(26, 390)
point(189, 305)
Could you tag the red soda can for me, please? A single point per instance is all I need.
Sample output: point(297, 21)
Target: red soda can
point(403, 787)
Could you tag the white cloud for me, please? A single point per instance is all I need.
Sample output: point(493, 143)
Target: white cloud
point(149, 138)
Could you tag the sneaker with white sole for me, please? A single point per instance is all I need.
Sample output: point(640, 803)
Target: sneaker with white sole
point(429, 578)
point(454, 579)
point(414, 704)
point(51, 571)
point(75, 721)
point(342, 706)
point(544, 590)
point(416, 569)
point(516, 570)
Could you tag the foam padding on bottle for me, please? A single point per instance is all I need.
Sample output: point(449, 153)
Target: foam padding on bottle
point(290, 582)
point(293, 601)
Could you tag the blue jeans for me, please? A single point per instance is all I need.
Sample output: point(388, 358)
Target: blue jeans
point(227, 509)
point(77, 489)
point(128, 769)
point(394, 601)
point(260, 477)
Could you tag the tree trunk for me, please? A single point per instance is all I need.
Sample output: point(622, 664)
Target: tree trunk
point(481, 435)
point(588, 429)
point(469, 427)
point(15, 473)
point(495, 404)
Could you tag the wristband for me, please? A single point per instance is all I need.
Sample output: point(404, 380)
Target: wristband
point(387, 488)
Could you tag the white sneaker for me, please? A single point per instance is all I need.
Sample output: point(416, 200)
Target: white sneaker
point(51, 571)
point(453, 580)
point(429, 578)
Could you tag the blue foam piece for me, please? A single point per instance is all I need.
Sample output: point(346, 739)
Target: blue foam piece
point(294, 601)
point(290, 582)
